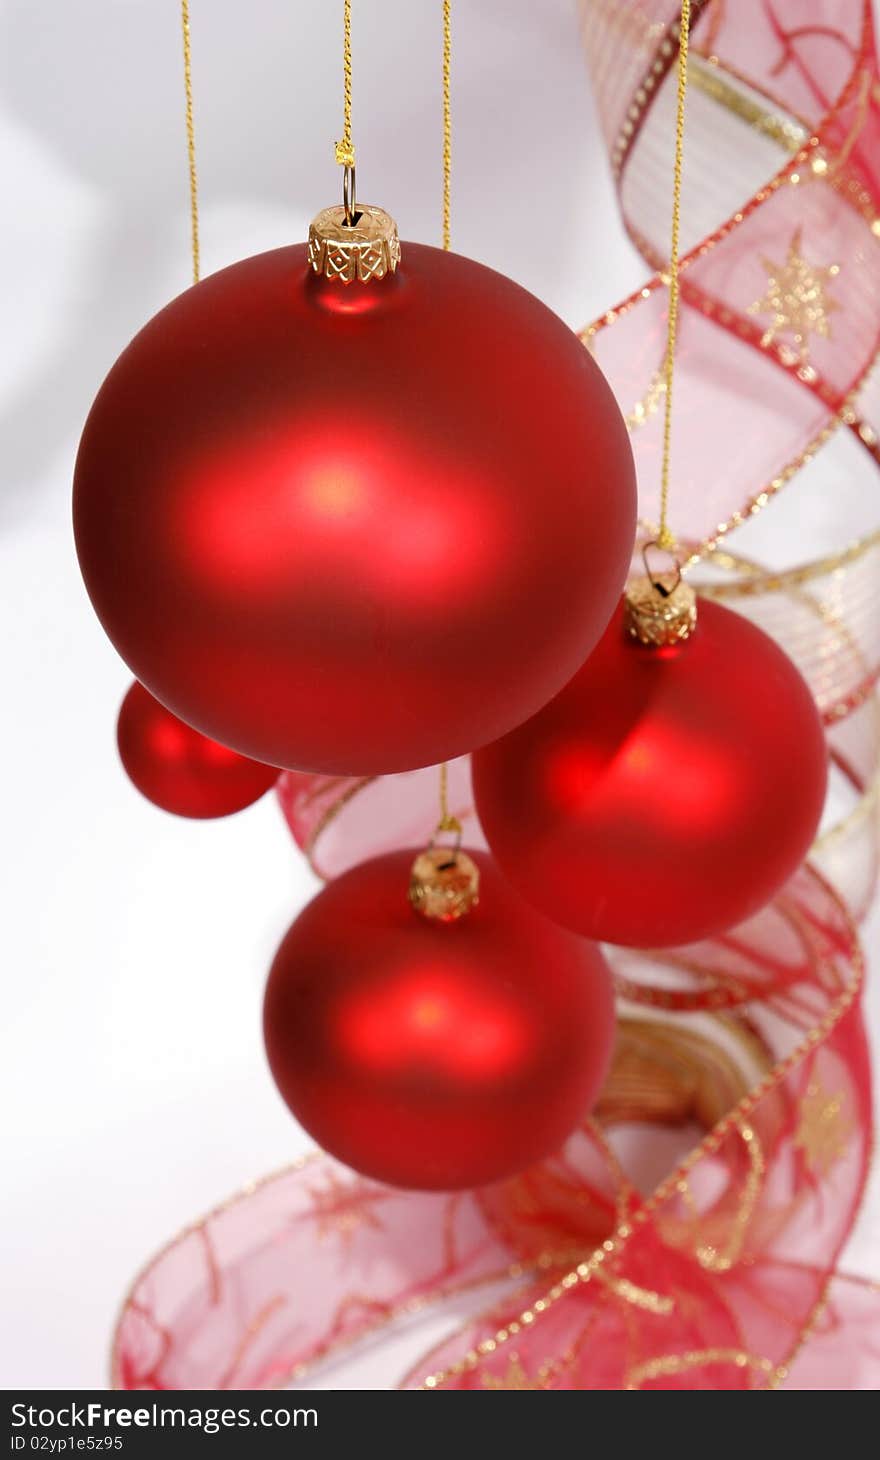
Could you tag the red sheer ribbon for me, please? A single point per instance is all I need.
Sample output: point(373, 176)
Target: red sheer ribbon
point(724, 1275)
point(730, 1257)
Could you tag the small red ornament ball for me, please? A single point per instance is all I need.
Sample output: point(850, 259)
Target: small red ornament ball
point(666, 794)
point(429, 1054)
point(180, 770)
point(354, 528)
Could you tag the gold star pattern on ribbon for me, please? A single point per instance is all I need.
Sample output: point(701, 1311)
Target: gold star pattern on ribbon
point(341, 1209)
point(798, 299)
point(515, 1377)
point(825, 1129)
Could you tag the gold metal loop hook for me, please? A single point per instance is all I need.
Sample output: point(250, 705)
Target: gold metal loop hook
point(660, 609)
point(453, 827)
point(660, 582)
point(349, 195)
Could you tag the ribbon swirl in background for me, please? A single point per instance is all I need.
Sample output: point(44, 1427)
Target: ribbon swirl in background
point(751, 1046)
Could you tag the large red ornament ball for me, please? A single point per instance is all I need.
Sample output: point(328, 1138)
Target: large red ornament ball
point(354, 528)
point(667, 793)
point(430, 1054)
point(180, 770)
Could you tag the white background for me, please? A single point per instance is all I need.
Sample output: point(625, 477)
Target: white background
point(134, 945)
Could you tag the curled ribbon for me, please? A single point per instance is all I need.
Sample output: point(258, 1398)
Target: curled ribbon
point(724, 1276)
point(600, 1286)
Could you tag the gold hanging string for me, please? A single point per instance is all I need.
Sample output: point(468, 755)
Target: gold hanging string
point(447, 123)
point(447, 822)
point(665, 538)
point(190, 140)
point(345, 147)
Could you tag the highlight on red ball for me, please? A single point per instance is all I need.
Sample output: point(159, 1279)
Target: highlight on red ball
point(181, 770)
point(364, 586)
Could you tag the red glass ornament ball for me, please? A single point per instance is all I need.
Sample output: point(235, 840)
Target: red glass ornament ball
point(180, 770)
point(354, 528)
point(666, 794)
point(435, 1055)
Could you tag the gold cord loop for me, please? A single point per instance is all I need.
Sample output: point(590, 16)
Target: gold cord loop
point(345, 146)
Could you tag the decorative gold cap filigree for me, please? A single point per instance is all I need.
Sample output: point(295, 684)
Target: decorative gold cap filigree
point(367, 249)
point(660, 610)
point(444, 883)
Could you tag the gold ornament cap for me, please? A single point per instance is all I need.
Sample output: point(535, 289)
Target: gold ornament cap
point(368, 248)
point(444, 884)
point(660, 610)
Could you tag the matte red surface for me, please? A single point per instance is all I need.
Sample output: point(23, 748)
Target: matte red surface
point(435, 1055)
point(354, 529)
point(664, 795)
point(180, 770)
